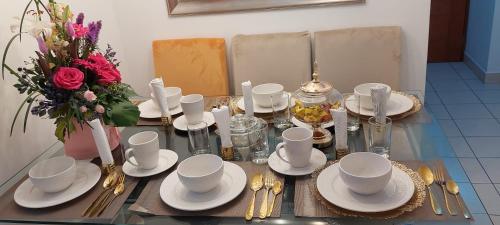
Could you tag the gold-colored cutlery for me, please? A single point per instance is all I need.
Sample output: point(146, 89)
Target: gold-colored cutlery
point(268, 184)
point(438, 171)
point(119, 189)
point(277, 187)
point(452, 187)
point(255, 186)
point(426, 174)
point(108, 183)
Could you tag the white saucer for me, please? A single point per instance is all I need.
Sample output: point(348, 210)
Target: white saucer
point(174, 194)
point(149, 110)
point(260, 109)
point(398, 192)
point(318, 159)
point(396, 105)
point(28, 196)
point(299, 123)
point(181, 123)
point(167, 159)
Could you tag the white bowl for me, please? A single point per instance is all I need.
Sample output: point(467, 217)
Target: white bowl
point(53, 175)
point(262, 94)
point(365, 172)
point(364, 93)
point(201, 173)
point(173, 95)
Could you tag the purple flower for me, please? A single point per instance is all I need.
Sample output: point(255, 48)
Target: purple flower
point(42, 46)
point(79, 19)
point(94, 29)
point(69, 29)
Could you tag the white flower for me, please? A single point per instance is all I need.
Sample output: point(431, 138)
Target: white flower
point(33, 26)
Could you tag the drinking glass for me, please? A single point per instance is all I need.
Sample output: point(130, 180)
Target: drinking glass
point(259, 144)
point(379, 136)
point(199, 138)
point(351, 103)
point(281, 119)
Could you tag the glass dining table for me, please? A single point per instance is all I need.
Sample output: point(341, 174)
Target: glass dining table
point(417, 137)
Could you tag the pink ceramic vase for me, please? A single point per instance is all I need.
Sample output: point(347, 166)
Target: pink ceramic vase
point(80, 143)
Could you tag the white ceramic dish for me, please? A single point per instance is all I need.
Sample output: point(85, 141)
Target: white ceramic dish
point(54, 174)
point(262, 94)
point(364, 93)
point(167, 159)
point(149, 110)
point(201, 173)
point(318, 159)
point(173, 95)
point(174, 194)
point(299, 123)
point(398, 192)
point(87, 176)
point(365, 172)
point(180, 123)
point(260, 109)
point(396, 105)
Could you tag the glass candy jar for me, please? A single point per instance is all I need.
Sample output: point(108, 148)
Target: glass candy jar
point(313, 101)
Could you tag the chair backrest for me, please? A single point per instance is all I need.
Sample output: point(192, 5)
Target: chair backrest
point(348, 57)
point(196, 65)
point(283, 58)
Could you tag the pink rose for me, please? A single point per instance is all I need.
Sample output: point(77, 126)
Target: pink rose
point(83, 109)
point(106, 72)
point(89, 96)
point(99, 109)
point(68, 78)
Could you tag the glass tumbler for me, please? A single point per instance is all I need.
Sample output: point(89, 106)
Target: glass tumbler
point(198, 138)
point(281, 118)
point(379, 136)
point(351, 103)
point(259, 143)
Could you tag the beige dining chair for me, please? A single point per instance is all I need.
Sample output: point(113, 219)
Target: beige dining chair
point(348, 57)
point(197, 65)
point(283, 58)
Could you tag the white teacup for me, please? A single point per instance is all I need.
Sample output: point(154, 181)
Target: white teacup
point(145, 148)
point(193, 108)
point(365, 96)
point(201, 173)
point(297, 145)
point(365, 172)
point(54, 174)
point(262, 94)
point(173, 95)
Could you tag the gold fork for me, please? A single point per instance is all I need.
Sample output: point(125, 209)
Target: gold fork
point(94, 211)
point(268, 182)
point(108, 183)
point(438, 170)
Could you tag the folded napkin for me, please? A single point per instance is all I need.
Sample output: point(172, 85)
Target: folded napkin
point(222, 119)
point(379, 100)
point(101, 141)
point(340, 121)
point(159, 91)
point(247, 97)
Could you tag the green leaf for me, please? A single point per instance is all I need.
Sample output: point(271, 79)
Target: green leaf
point(44, 7)
point(124, 114)
point(17, 113)
point(22, 19)
point(5, 53)
point(60, 129)
point(28, 112)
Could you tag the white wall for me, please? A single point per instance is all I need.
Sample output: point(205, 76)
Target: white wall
point(141, 23)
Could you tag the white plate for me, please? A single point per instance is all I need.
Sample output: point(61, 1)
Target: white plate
point(318, 159)
point(28, 196)
point(260, 109)
point(396, 105)
point(299, 123)
point(174, 194)
point(181, 123)
point(150, 110)
point(398, 192)
point(167, 159)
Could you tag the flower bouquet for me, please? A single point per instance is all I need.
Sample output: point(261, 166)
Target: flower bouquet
point(70, 79)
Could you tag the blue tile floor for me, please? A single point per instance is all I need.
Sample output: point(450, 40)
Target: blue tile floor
point(468, 112)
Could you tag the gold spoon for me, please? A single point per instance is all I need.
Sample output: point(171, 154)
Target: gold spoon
point(255, 186)
point(452, 187)
point(108, 183)
point(277, 186)
point(119, 189)
point(426, 174)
